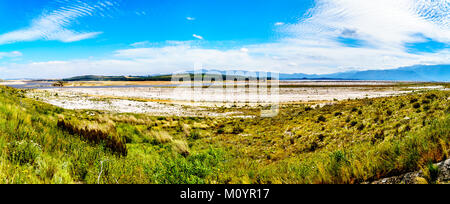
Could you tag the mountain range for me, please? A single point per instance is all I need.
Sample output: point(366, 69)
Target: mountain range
point(423, 73)
point(435, 73)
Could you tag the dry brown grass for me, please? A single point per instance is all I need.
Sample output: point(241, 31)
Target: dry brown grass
point(96, 133)
point(162, 137)
point(181, 147)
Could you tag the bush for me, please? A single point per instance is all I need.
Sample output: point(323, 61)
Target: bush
point(321, 119)
point(361, 127)
point(237, 130)
point(337, 114)
point(414, 100)
point(220, 131)
point(431, 96)
point(389, 112)
point(416, 105)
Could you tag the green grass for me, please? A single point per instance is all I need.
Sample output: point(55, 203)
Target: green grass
point(353, 141)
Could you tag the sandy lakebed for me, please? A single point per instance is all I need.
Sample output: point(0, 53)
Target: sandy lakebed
point(184, 101)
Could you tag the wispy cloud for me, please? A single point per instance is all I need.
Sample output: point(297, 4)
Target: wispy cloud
point(10, 54)
point(279, 23)
point(384, 24)
point(55, 24)
point(311, 45)
point(141, 13)
point(198, 37)
point(190, 18)
point(141, 44)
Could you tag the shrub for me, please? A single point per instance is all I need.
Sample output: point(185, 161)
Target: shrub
point(321, 119)
point(379, 135)
point(321, 137)
point(237, 130)
point(337, 114)
point(431, 96)
point(389, 112)
point(416, 105)
point(361, 127)
point(220, 131)
point(313, 147)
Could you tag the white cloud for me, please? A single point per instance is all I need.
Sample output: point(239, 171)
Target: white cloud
point(10, 54)
point(279, 24)
point(285, 57)
point(54, 25)
point(311, 45)
point(244, 50)
point(385, 24)
point(190, 18)
point(198, 36)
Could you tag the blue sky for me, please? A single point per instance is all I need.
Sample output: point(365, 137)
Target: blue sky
point(61, 38)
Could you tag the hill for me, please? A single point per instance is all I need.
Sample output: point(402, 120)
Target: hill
point(350, 142)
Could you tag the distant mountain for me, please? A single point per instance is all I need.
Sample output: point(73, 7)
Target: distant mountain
point(435, 73)
point(439, 73)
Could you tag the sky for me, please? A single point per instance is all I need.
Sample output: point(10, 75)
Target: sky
point(64, 38)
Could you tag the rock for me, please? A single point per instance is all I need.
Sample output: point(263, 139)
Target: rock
point(418, 177)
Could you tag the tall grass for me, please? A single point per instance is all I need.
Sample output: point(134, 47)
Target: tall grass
point(351, 142)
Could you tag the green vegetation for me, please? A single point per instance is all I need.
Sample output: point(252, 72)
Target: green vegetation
point(352, 141)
